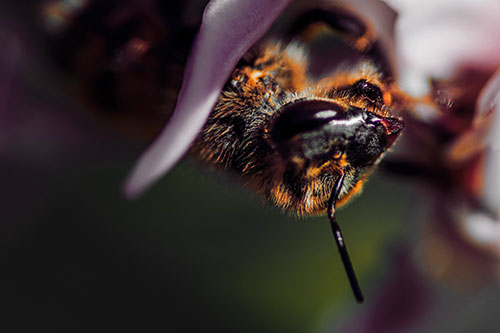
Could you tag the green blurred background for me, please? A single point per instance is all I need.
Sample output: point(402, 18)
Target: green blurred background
point(194, 252)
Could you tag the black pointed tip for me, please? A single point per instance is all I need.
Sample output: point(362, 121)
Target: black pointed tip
point(359, 298)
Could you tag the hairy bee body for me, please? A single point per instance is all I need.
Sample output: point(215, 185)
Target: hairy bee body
point(237, 136)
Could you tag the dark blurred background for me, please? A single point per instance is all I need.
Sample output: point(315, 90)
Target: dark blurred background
point(197, 252)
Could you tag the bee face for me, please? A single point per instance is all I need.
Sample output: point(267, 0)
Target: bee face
point(320, 139)
point(291, 137)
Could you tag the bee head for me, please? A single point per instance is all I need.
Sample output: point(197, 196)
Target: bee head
point(318, 131)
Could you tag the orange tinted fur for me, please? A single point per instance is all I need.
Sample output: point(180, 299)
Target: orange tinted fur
point(252, 100)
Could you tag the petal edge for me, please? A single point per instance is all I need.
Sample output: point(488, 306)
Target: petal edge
point(229, 28)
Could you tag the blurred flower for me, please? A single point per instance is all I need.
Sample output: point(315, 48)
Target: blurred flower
point(435, 39)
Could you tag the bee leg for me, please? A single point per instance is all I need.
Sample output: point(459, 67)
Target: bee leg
point(356, 32)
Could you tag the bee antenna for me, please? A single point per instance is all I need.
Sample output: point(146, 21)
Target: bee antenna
point(339, 239)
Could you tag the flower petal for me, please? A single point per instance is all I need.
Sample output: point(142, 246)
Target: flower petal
point(436, 38)
point(489, 104)
point(229, 28)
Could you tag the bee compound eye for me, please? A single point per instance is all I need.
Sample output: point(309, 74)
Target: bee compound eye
point(368, 90)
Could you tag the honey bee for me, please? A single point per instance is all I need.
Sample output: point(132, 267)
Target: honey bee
point(291, 139)
point(307, 143)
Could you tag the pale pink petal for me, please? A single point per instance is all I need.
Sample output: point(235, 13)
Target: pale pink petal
point(435, 38)
point(489, 104)
point(489, 98)
point(229, 28)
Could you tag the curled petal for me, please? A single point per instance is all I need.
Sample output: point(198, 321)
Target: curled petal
point(229, 28)
point(489, 104)
point(489, 99)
